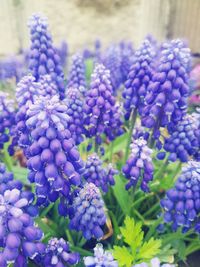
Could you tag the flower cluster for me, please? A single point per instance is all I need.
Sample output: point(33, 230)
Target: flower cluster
point(54, 161)
point(58, 253)
point(11, 67)
point(96, 174)
point(77, 74)
point(155, 262)
point(88, 212)
point(139, 76)
point(184, 139)
point(182, 203)
point(101, 258)
point(76, 114)
point(139, 165)
point(43, 57)
point(7, 117)
point(166, 100)
point(99, 102)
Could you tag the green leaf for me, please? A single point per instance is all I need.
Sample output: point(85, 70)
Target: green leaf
point(149, 249)
point(123, 256)
point(21, 174)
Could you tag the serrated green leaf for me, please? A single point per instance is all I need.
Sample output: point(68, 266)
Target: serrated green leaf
point(123, 256)
point(149, 249)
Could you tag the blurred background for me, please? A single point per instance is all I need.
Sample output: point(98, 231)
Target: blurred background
point(81, 22)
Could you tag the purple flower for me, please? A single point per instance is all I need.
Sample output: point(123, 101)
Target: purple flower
point(43, 57)
point(77, 74)
point(139, 76)
point(101, 258)
point(54, 161)
point(7, 117)
point(139, 165)
point(95, 173)
point(88, 212)
point(182, 203)
point(166, 100)
point(58, 253)
point(155, 262)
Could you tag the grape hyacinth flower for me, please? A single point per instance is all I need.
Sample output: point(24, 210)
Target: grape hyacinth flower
point(7, 117)
point(54, 161)
point(184, 139)
point(99, 103)
point(43, 58)
point(77, 74)
point(139, 76)
point(155, 262)
point(101, 258)
point(75, 111)
point(95, 173)
point(88, 212)
point(127, 58)
point(182, 203)
point(166, 100)
point(139, 165)
point(58, 253)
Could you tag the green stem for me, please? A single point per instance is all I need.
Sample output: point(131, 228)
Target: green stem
point(69, 237)
point(111, 151)
point(138, 201)
point(152, 209)
point(161, 171)
point(82, 251)
point(131, 126)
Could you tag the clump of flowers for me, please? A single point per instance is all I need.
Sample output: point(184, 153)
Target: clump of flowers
point(184, 139)
point(95, 173)
point(43, 57)
point(155, 262)
point(54, 161)
point(140, 74)
point(88, 212)
point(7, 117)
point(166, 100)
point(101, 258)
point(77, 74)
point(139, 165)
point(182, 203)
point(58, 253)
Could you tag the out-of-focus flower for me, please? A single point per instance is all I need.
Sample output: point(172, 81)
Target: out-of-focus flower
point(182, 203)
point(101, 258)
point(155, 262)
point(139, 165)
point(95, 173)
point(88, 212)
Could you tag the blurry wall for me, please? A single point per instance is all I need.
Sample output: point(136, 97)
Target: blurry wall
point(81, 22)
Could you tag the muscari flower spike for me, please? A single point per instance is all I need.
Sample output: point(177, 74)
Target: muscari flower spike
point(127, 54)
point(99, 102)
point(101, 258)
point(19, 237)
point(155, 262)
point(58, 254)
point(139, 76)
point(7, 117)
point(166, 100)
point(182, 203)
point(75, 111)
point(77, 74)
point(54, 161)
point(95, 173)
point(88, 212)
point(43, 57)
point(139, 165)
point(184, 139)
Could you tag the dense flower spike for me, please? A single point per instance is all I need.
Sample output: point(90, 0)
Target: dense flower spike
point(99, 102)
point(166, 100)
point(58, 254)
point(139, 165)
point(75, 111)
point(127, 58)
point(43, 58)
point(155, 262)
point(184, 139)
point(7, 117)
point(88, 212)
point(19, 236)
point(182, 203)
point(101, 258)
point(139, 77)
point(63, 53)
point(54, 161)
point(95, 173)
point(11, 68)
point(77, 74)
